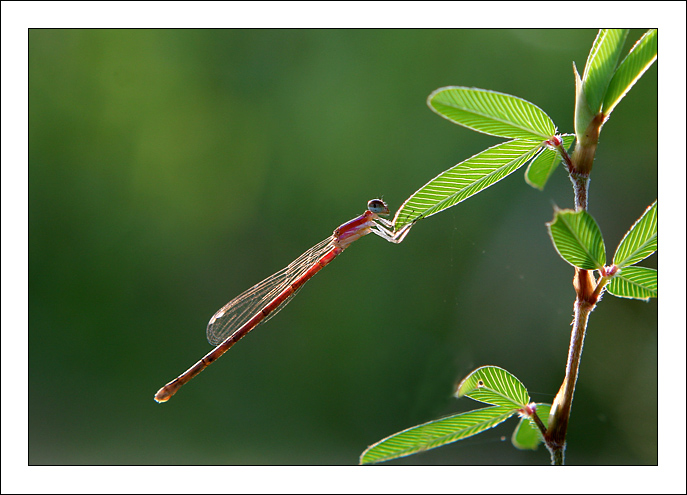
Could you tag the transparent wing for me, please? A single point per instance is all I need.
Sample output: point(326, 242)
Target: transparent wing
point(239, 310)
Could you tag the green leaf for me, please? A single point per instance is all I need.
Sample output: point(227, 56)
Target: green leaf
point(527, 435)
point(641, 241)
point(583, 114)
point(493, 113)
point(496, 386)
point(601, 63)
point(435, 434)
point(640, 58)
point(635, 282)
point(465, 179)
point(577, 238)
point(541, 168)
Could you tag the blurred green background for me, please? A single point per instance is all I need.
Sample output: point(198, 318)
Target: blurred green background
point(170, 170)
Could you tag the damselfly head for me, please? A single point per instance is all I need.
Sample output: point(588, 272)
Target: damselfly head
point(378, 206)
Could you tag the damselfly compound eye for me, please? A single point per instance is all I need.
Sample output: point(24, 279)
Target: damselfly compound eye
point(378, 206)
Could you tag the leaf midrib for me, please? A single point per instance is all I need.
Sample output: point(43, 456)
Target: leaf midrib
point(472, 112)
point(579, 241)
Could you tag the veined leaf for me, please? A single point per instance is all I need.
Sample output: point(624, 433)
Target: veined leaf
point(641, 241)
point(492, 112)
point(527, 435)
point(635, 282)
point(577, 238)
point(601, 64)
point(465, 179)
point(435, 434)
point(541, 168)
point(495, 386)
point(640, 58)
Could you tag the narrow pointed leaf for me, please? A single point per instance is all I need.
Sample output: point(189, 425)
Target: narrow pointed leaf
point(635, 282)
point(641, 241)
point(601, 63)
point(491, 112)
point(465, 179)
point(496, 386)
point(541, 168)
point(583, 114)
point(527, 435)
point(640, 58)
point(577, 238)
point(435, 434)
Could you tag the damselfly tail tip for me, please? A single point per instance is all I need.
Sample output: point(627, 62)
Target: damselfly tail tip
point(162, 395)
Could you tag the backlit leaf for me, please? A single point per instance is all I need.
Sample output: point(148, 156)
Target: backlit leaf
point(635, 282)
point(435, 434)
point(641, 241)
point(491, 112)
point(577, 238)
point(496, 386)
point(641, 57)
point(465, 179)
point(601, 63)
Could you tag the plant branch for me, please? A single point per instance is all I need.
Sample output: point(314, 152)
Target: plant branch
point(560, 411)
point(540, 424)
point(587, 294)
point(566, 158)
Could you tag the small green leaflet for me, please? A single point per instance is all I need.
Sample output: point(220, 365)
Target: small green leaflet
point(577, 238)
point(635, 282)
point(491, 112)
point(601, 63)
point(496, 386)
point(541, 168)
point(641, 57)
point(465, 179)
point(527, 435)
point(641, 241)
point(435, 434)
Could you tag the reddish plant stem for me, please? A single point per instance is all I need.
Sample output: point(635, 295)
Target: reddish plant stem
point(540, 424)
point(579, 168)
point(560, 412)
